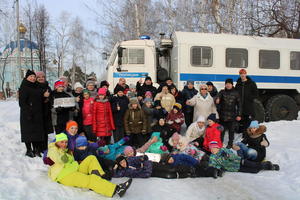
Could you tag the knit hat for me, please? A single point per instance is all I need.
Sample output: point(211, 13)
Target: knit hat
point(148, 93)
point(77, 85)
point(90, 82)
point(131, 86)
point(155, 134)
point(177, 106)
point(81, 141)
point(61, 137)
point(134, 101)
point(128, 150)
point(212, 117)
point(148, 78)
point(229, 80)
point(104, 83)
point(102, 91)
point(70, 124)
point(29, 73)
point(39, 73)
point(118, 89)
point(254, 124)
point(86, 91)
point(103, 149)
point(242, 71)
point(148, 100)
point(213, 144)
point(209, 83)
point(59, 83)
point(190, 82)
point(201, 119)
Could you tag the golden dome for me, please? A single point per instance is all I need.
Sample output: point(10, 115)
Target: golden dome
point(22, 28)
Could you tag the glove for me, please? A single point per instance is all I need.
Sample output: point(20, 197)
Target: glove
point(177, 120)
point(170, 122)
point(64, 158)
point(126, 138)
point(101, 143)
point(163, 148)
point(192, 151)
point(48, 161)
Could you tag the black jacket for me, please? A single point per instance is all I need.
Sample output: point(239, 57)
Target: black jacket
point(31, 112)
point(254, 143)
point(119, 114)
point(186, 95)
point(118, 86)
point(141, 90)
point(63, 115)
point(230, 105)
point(248, 92)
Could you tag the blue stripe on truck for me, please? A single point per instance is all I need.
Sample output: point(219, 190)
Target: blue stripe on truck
point(130, 74)
point(223, 77)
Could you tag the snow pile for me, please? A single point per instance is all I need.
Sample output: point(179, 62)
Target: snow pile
point(26, 178)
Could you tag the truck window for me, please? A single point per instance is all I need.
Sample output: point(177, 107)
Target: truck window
point(133, 56)
point(295, 60)
point(236, 58)
point(269, 59)
point(201, 56)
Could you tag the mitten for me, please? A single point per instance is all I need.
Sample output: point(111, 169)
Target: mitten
point(163, 148)
point(64, 158)
point(126, 138)
point(48, 161)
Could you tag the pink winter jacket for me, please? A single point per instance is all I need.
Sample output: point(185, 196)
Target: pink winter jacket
point(87, 111)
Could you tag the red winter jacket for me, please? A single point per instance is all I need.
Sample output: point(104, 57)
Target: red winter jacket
point(212, 133)
point(87, 111)
point(175, 121)
point(103, 122)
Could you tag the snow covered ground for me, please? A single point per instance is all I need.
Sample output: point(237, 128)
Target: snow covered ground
point(26, 179)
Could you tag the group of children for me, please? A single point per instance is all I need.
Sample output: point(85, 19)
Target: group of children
point(148, 139)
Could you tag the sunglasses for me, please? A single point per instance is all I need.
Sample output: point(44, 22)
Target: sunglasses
point(203, 89)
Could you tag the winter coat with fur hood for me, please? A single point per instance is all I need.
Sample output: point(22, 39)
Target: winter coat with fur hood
point(194, 132)
point(135, 121)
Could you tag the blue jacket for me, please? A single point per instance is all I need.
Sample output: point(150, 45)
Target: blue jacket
point(114, 150)
point(186, 160)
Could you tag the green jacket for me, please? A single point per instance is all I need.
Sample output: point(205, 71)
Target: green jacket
point(155, 147)
point(64, 163)
point(135, 121)
point(226, 160)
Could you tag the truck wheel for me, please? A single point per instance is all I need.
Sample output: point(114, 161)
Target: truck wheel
point(259, 110)
point(281, 107)
point(297, 99)
point(162, 74)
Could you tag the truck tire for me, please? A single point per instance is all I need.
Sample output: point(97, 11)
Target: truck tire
point(162, 75)
point(259, 111)
point(281, 107)
point(297, 99)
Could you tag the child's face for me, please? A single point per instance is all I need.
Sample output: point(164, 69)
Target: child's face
point(161, 122)
point(120, 93)
point(60, 89)
point(134, 106)
point(73, 130)
point(130, 154)
point(133, 90)
point(148, 96)
point(210, 122)
point(214, 150)
point(253, 130)
point(171, 160)
point(173, 91)
point(148, 104)
point(165, 90)
point(62, 144)
point(90, 87)
point(123, 163)
point(81, 148)
point(101, 96)
point(175, 110)
point(78, 90)
point(86, 95)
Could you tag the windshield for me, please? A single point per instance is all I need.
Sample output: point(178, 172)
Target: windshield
point(112, 56)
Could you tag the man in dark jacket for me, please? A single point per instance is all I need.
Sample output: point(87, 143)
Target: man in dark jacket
point(147, 86)
point(119, 105)
point(120, 85)
point(187, 93)
point(230, 110)
point(248, 92)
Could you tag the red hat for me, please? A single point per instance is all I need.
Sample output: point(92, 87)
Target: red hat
point(213, 144)
point(59, 83)
point(242, 71)
point(102, 91)
point(70, 124)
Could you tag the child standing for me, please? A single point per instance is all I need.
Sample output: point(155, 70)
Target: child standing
point(88, 174)
point(135, 123)
point(103, 123)
point(132, 93)
point(212, 132)
point(119, 104)
point(148, 110)
point(175, 118)
point(87, 115)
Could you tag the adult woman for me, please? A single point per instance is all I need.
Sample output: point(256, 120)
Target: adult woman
point(31, 99)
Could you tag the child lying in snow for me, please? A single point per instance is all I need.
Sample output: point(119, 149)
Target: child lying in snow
point(223, 158)
point(112, 151)
point(157, 146)
point(88, 174)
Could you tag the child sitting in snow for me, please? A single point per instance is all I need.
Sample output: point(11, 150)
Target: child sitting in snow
point(253, 145)
point(212, 133)
point(223, 158)
point(175, 118)
point(112, 151)
point(157, 146)
point(88, 174)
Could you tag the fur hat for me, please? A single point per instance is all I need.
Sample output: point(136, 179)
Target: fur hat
point(201, 119)
point(29, 73)
point(59, 83)
point(242, 71)
point(212, 117)
point(70, 124)
point(102, 91)
point(259, 131)
point(61, 137)
point(213, 144)
point(81, 141)
point(134, 101)
point(77, 85)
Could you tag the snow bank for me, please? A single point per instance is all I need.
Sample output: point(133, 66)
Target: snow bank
point(25, 178)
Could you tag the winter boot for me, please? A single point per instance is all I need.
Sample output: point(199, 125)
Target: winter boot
point(267, 165)
point(30, 154)
point(275, 167)
point(122, 188)
point(215, 173)
point(221, 172)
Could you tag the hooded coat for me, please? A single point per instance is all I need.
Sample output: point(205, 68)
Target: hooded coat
point(194, 132)
point(87, 111)
point(167, 101)
point(175, 120)
point(135, 121)
point(187, 94)
point(213, 133)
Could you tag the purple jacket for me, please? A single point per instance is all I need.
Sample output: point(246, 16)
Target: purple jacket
point(137, 167)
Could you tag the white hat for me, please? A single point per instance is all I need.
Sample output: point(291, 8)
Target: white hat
point(77, 85)
point(201, 119)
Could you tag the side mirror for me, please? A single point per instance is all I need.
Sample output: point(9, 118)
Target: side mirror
point(104, 56)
